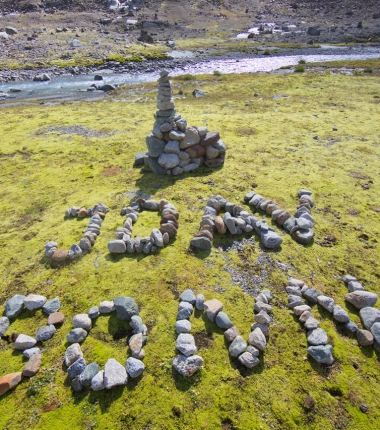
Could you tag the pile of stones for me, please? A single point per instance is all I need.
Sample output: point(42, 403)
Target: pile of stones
point(316, 337)
point(300, 226)
point(173, 147)
point(370, 316)
point(97, 214)
point(158, 237)
point(114, 373)
point(26, 343)
point(234, 221)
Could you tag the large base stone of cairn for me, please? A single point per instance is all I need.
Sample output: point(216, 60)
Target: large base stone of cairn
point(173, 147)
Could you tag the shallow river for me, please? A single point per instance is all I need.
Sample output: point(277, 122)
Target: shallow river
point(69, 87)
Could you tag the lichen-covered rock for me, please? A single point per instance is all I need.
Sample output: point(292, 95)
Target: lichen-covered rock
point(187, 366)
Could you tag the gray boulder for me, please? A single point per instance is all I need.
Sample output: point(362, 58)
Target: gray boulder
point(156, 147)
point(76, 335)
point(222, 321)
point(237, 347)
point(257, 339)
point(248, 360)
point(134, 367)
point(137, 324)
point(14, 306)
point(188, 296)
point(51, 306)
point(24, 341)
point(340, 315)
point(168, 161)
point(199, 302)
point(97, 382)
point(117, 247)
point(369, 316)
point(45, 333)
point(354, 286)
point(364, 337)
point(125, 307)
point(270, 239)
point(114, 374)
point(187, 366)
point(361, 299)
point(202, 243)
point(375, 330)
point(185, 310)
point(311, 294)
point(34, 301)
point(186, 344)
point(77, 367)
point(82, 321)
point(322, 354)
point(4, 324)
point(326, 303)
point(183, 326)
point(89, 372)
point(73, 353)
point(317, 336)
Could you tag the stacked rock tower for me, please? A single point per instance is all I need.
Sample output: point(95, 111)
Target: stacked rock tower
point(173, 147)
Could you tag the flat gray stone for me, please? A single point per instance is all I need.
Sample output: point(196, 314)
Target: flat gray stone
point(76, 384)
point(97, 382)
point(89, 372)
point(361, 299)
point(187, 296)
point(27, 353)
point(45, 333)
point(51, 306)
point(187, 366)
point(94, 312)
point(199, 302)
point(262, 318)
point(354, 286)
point(172, 147)
point(24, 341)
point(186, 344)
point(106, 307)
point(156, 146)
point(72, 354)
point(231, 333)
point(82, 321)
point(134, 367)
point(299, 310)
point(304, 236)
point(76, 335)
point(351, 327)
point(317, 336)
point(125, 307)
point(114, 374)
point(348, 278)
point(212, 307)
point(311, 295)
point(168, 161)
point(311, 323)
point(4, 324)
point(257, 339)
point(222, 321)
point(185, 310)
point(76, 368)
point(369, 316)
point(365, 337)
point(248, 360)
point(183, 326)
point(156, 168)
point(34, 301)
point(322, 354)
point(202, 243)
point(117, 246)
point(340, 315)
point(137, 324)
point(237, 347)
point(326, 303)
point(375, 330)
point(271, 239)
point(289, 224)
point(14, 306)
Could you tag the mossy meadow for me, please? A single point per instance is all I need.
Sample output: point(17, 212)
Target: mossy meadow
point(321, 132)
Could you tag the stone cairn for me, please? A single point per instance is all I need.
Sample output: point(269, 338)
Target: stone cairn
point(187, 364)
point(97, 214)
point(114, 373)
point(370, 316)
point(25, 343)
point(158, 237)
point(234, 221)
point(316, 337)
point(300, 226)
point(173, 147)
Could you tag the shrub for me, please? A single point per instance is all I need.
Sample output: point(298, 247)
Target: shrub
point(368, 70)
point(299, 69)
point(302, 61)
point(217, 73)
point(188, 77)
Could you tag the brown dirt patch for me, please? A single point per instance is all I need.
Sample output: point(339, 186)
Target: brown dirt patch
point(111, 171)
point(203, 340)
point(353, 212)
point(358, 175)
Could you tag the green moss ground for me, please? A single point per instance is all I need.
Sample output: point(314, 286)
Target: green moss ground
point(270, 143)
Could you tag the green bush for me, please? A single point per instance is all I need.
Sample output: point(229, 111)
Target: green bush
point(368, 70)
point(188, 77)
point(217, 73)
point(299, 69)
point(302, 61)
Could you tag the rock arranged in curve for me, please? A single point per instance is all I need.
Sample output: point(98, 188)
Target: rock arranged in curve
point(235, 221)
point(90, 234)
point(114, 373)
point(25, 343)
point(319, 350)
point(300, 227)
point(158, 238)
point(174, 147)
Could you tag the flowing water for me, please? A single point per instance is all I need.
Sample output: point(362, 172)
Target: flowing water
point(71, 87)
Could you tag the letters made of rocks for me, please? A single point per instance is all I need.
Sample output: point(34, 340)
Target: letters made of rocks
point(97, 215)
point(114, 373)
point(300, 227)
point(316, 337)
point(26, 343)
point(364, 301)
point(175, 148)
point(158, 238)
point(235, 221)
